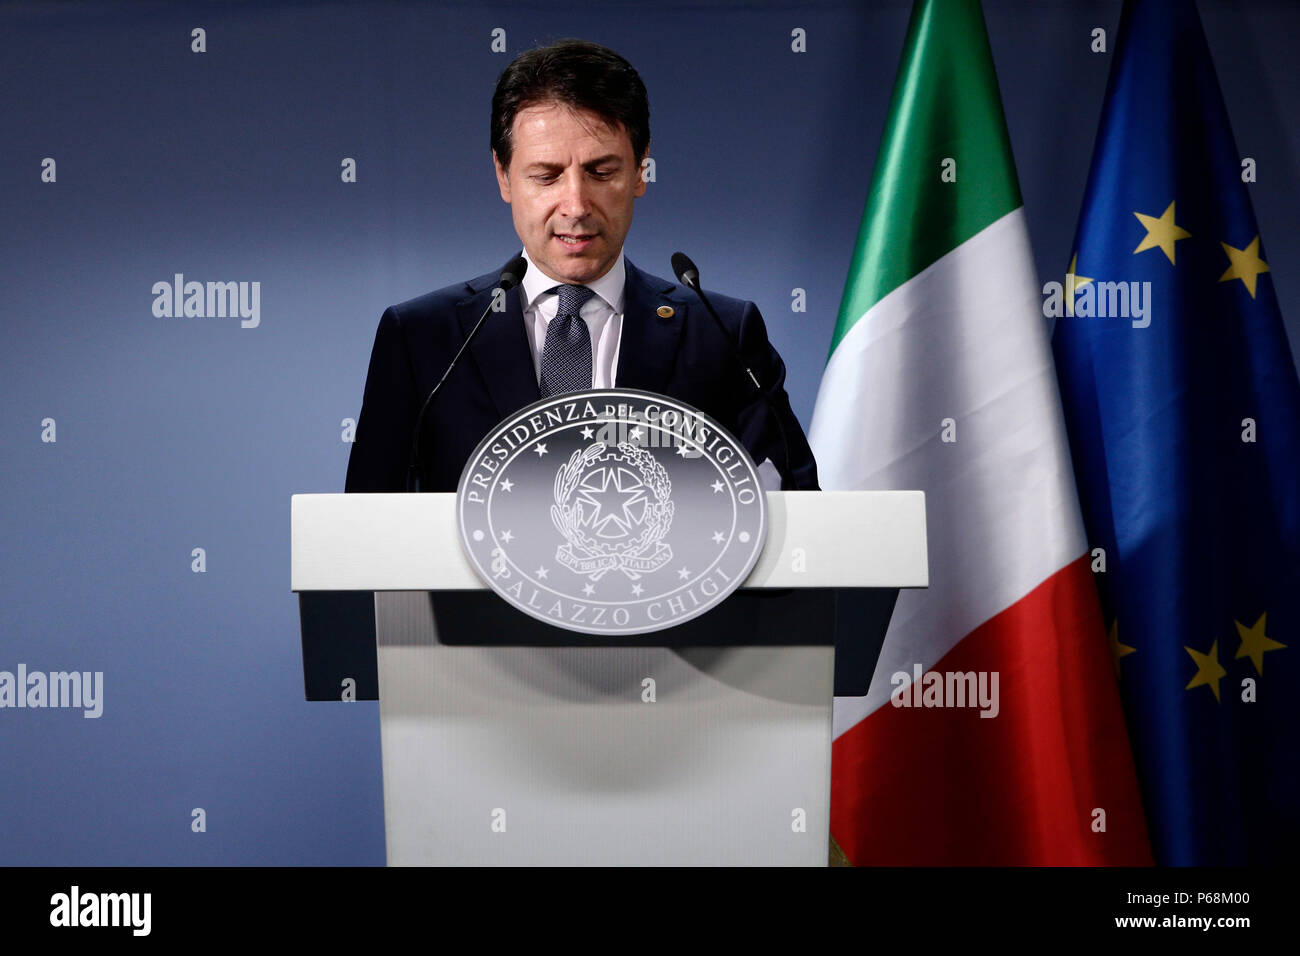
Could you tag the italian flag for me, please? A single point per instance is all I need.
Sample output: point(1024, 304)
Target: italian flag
point(941, 378)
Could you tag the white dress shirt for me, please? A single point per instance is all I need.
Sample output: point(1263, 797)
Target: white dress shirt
point(603, 313)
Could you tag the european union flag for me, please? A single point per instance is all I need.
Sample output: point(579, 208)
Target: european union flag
point(1183, 408)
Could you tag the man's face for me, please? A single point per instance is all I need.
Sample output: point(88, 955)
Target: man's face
point(570, 186)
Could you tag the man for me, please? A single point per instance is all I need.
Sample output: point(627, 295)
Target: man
point(570, 127)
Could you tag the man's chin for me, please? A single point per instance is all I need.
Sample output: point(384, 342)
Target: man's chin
point(575, 270)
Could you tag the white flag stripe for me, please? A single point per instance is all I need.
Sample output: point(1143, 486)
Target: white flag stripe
point(964, 339)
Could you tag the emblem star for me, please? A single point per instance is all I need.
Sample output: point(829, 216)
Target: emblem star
point(1118, 650)
point(638, 590)
point(683, 573)
point(1254, 643)
point(1208, 669)
point(718, 486)
point(507, 537)
point(588, 590)
point(1246, 265)
point(540, 448)
point(613, 498)
point(1162, 233)
point(541, 574)
point(506, 484)
point(587, 433)
point(717, 537)
point(683, 449)
point(1073, 281)
point(636, 434)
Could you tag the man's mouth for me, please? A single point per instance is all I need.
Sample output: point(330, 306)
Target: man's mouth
point(575, 240)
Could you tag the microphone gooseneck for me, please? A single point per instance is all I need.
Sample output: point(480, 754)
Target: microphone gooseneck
point(510, 276)
point(688, 274)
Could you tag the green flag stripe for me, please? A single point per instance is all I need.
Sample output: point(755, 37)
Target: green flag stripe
point(946, 105)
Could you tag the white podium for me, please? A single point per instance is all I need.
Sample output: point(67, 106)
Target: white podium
point(508, 741)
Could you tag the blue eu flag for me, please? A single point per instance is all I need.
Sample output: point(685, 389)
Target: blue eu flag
point(1183, 408)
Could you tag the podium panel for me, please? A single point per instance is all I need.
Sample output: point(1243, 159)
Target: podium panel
point(555, 755)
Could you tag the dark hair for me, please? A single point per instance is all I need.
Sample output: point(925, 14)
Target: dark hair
point(579, 74)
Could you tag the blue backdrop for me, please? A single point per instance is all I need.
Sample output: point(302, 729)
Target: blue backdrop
point(177, 433)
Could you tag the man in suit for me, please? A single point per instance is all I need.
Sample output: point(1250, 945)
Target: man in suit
point(570, 127)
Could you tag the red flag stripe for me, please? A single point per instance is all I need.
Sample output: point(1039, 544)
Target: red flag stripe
point(944, 786)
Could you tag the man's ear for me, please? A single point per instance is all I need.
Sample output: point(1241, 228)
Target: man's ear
point(503, 177)
point(639, 191)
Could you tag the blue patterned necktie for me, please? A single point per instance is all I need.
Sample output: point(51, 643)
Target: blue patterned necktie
point(566, 353)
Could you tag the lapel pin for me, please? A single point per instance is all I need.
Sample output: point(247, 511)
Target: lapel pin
point(665, 311)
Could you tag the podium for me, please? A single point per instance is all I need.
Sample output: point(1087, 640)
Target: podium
point(509, 741)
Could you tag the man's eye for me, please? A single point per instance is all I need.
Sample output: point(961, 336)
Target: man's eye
point(544, 178)
point(602, 173)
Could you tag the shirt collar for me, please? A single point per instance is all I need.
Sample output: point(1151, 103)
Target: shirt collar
point(609, 286)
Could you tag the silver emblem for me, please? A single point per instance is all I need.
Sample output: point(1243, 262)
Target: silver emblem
point(611, 511)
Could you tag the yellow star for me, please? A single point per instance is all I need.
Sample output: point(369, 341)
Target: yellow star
point(1208, 669)
point(1162, 233)
point(1073, 282)
point(1254, 643)
point(1118, 650)
point(1246, 264)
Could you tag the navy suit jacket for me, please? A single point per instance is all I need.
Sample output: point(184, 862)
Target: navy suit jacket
point(683, 356)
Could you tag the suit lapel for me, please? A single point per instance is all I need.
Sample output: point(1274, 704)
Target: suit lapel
point(647, 347)
point(501, 350)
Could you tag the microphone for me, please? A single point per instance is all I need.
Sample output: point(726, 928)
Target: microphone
point(689, 275)
point(511, 276)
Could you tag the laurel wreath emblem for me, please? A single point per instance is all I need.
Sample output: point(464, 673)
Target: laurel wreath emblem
point(641, 554)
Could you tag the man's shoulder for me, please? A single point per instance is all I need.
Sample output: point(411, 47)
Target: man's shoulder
point(727, 306)
point(444, 301)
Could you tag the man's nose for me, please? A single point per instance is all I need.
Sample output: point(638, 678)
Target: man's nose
point(574, 199)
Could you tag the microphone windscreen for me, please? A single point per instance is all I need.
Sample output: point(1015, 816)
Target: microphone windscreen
point(685, 269)
point(513, 273)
